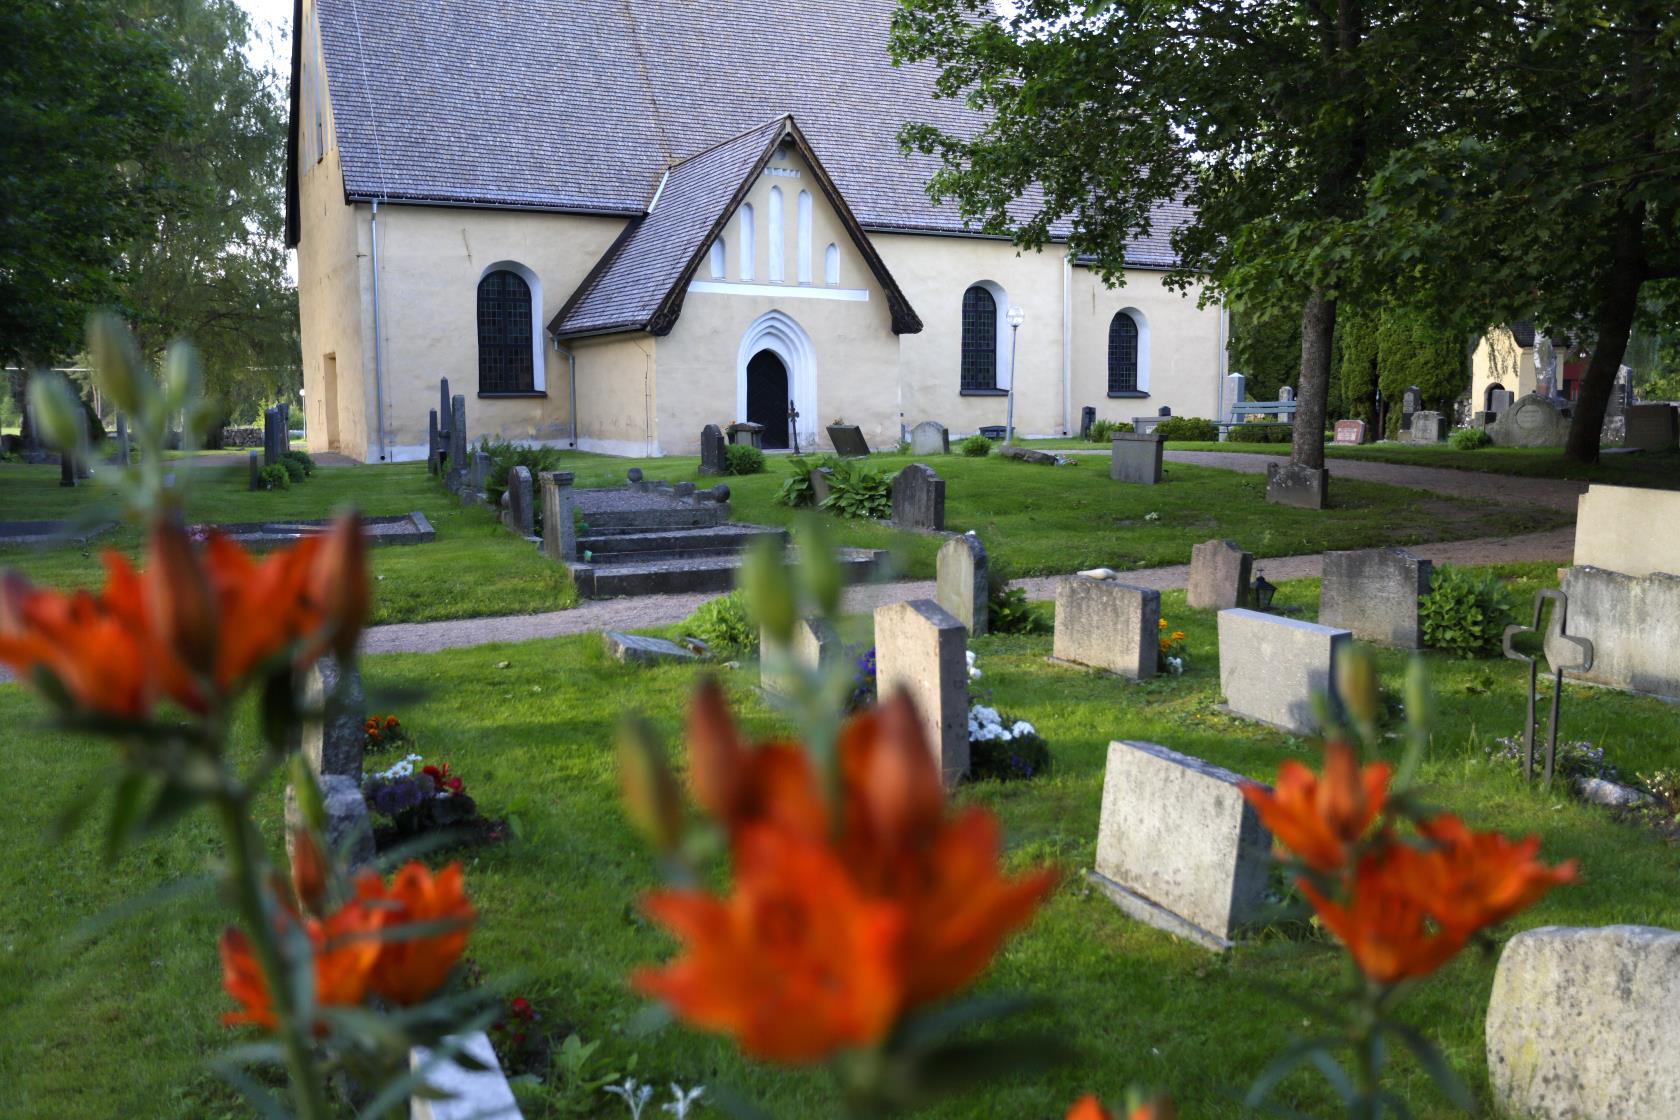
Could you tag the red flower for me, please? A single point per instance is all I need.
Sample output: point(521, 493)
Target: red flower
point(410, 968)
point(1319, 817)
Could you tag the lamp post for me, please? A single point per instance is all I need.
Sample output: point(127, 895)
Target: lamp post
point(1017, 315)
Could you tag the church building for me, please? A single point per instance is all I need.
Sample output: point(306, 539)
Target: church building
point(611, 222)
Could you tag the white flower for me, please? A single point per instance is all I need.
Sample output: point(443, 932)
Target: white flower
point(1152, 517)
point(1022, 727)
point(634, 1094)
point(1175, 665)
point(973, 671)
point(399, 769)
point(682, 1100)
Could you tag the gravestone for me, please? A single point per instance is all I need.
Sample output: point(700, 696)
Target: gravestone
point(271, 436)
point(559, 530)
point(848, 441)
point(1410, 402)
point(348, 830)
point(1633, 623)
point(1293, 484)
point(520, 518)
point(816, 645)
point(921, 650)
point(1533, 421)
point(457, 443)
point(1374, 593)
point(747, 434)
point(1621, 394)
point(918, 498)
point(331, 734)
point(713, 459)
point(1235, 393)
point(821, 486)
point(930, 438)
point(961, 586)
point(1613, 529)
point(1499, 400)
point(121, 456)
point(1178, 846)
point(1087, 417)
point(1219, 576)
point(432, 442)
point(254, 463)
point(1428, 427)
point(66, 469)
point(634, 649)
point(1108, 625)
point(1650, 427)
point(1271, 668)
point(1350, 431)
point(1584, 1024)
point(1135, 458)
point(478, 474)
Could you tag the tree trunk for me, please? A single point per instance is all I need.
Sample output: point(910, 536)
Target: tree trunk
point(1318, 329)
point(1613, 319)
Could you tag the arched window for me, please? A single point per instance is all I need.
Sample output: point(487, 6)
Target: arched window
point(717, 259)
point(1122, 354)
point(831, 264)
point(504, 334)
point(979, 339)
point(802, 237)
point(745, 264)
point(776, 236)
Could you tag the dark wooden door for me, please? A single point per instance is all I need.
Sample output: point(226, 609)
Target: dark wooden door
point(767, 398)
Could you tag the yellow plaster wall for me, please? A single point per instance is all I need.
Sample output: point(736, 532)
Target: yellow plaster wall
point(1498, 359)
point(618, 394)
point(1182, 368)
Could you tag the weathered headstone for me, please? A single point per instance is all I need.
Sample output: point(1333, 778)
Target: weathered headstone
point(1428, 427)
point(747, 434)
point(1374, 593)
point(1108, 625)
point(331, 734)
point(432, 447)
point(1087, 417)
point(930, 438)
point(457, 443)
point(1534, 421)
point(1633, 623)
point(821, 487)
point(816, 645)
point(254, 465)
point(271, 436)
point(348, 830)
point(1271, 668)
point(1411, 401)
point(848, 441)
point(1294, 484)
point(1499, 400)
point(1135, 458)
point(1350, 431)
point(921, 650)
point(1286, 394)
point(961, 586)
point(1651, 427)
point(1613, 529)
point(559, 530)
point(634, 649)
point(1583, 1024)
point(478, 474)
point(1178, 847)
point(520, 516)
point(918, 498)
point(1219, 576)
point(713, 459)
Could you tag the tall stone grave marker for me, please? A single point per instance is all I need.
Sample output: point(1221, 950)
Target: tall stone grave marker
point(520, 518)
point(1135, 458)
point(1270, 668)
point(1374, 593)
point(815, 645)
point(121, 457)
point(254, 465)
point(559, 531)
point(930, 438)
point(331, 734)
point(1583, 1023)
point(713, 458)
point(1236, 388)
point(920, 650)
point(962, 586)
point(918, 498)
point(1108, 625)
point(432, 442)
point(273, 447)
point(457, 477)
point(1219, 576)
point(1178, 847)
point(66, 469)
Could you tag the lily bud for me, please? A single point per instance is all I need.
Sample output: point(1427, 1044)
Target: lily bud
point(339, 585)
point(650, 791)
point(309, 870)
point(58, 411)
point(769, 591)
point(820, 566)
point(903, 790)
point(715, 755)
point(1356, 683)
point(119, 368)
point(179, 597)
point(182, 375)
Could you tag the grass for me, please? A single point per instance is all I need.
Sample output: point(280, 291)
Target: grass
point(473, 568)
point(120, 1025)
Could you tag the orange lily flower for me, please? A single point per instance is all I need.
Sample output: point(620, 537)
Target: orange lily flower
point(737, 784)
point(344, 948)
point(1385, 928)
point(409, 969)
point(1089, 1107)
point(1473, 880)
point(1318, 818)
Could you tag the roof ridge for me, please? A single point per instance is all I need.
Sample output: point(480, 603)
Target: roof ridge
point(781, 119)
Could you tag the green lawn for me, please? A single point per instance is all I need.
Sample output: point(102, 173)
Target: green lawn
point(121, 1025)
point(1646, 468)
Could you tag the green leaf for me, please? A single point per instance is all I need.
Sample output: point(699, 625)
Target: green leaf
point(126, 805)
point(1293, 1056)
point(1433, 1062)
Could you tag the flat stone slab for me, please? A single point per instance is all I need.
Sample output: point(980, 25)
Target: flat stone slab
point(50, 532)
point(407, 528)
point(639, 650)
point(1271, 668)
point(1107, 625)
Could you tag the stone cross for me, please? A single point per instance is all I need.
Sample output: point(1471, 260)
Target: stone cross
point(559, 531)
point(1272, 668)
point(519, 500)
point(1219, 576)
point(921, 650)
point(962, 586)
point(918, 498)
point(713, 458)
point(1108, 625)
point(1564, 653)
point(1374, 593)
point(1178, 846)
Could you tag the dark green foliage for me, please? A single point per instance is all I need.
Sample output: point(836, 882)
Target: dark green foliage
point(1469, 439)
point(1266, 350)
point(858, 491)
point(724, 625)
point(275, 476)
point(504, 456)
point(976, 446)
point(796, 491)
point(1465, 612)
point(740, 459)
point(1187, 428)
point(1007, 609)
point(1260, 432)
point(1103, 430)
point(1006, 760)
point(299, 465)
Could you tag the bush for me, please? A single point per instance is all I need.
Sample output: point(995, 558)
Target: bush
point(1465, 613)
point(298, 464)
point(1264, 432)
point(1103, 430)
point(796, 491)
point(740, 459)
point(1469, 439)
point(976, 446)
point(504, 456)
point(1187, 428)
point(274, 477)
point(857, 491)
point(1007, 610)
point(724, 625)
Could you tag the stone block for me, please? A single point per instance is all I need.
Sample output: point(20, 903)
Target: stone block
point(482, 1093)
point(1219, 576)
point(348, 832)
point(520, 514)
point(918, 498)
point(66, 469)
point(1236, 391)
point(1291, 484)
point(1374, 592)
point(1107, 625)
point(747, 434)
point(478, 472)
point(961, 586)
point(816, 645)
point(634, 649)
point(1614, 529)
point(921, 650)
point(848, 441)
point(930, 438)
point(1584, 1024)
point(1135, 458)
point(559, 530)
point(713, 459)
point(1177, 845)
point(1650, 427)
point(332, 733)
point(1428, 427)
point(1350, 431)
point(1534, 421)
point(1271, 668)
point(1633, 623)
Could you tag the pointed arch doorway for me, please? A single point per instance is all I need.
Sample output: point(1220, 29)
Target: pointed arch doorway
point(776, 367)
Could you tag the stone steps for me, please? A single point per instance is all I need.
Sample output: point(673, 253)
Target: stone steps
point(672, 543)
point(703, 572)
